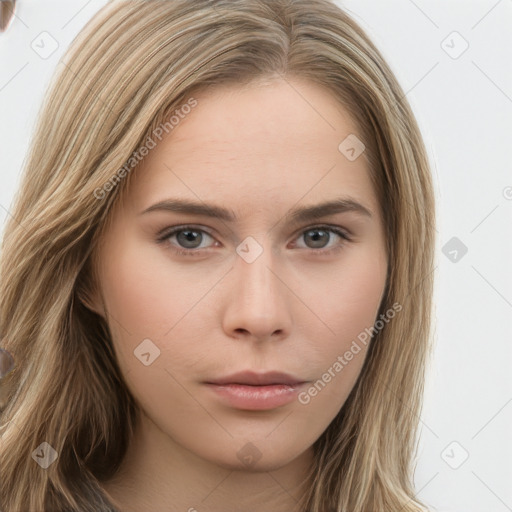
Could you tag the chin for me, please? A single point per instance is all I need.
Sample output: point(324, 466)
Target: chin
point(255, 457)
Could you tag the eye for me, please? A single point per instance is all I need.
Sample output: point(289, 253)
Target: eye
point(187, 237)
point(189, 240)
point(318, 238)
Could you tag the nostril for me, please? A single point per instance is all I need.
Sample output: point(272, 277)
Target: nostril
point(6, 13)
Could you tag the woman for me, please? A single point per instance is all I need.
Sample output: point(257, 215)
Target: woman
point(276, 365)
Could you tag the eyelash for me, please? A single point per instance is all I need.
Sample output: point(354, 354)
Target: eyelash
point(197, 252)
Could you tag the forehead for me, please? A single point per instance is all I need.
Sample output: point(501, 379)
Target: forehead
point(281, 112)
point(255, 142)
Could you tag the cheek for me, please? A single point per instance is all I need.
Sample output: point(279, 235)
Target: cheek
point(139, 307)
point(347, 297)
point(140, 293)
point(149, 297)
point(347, 302)
point(358, 289)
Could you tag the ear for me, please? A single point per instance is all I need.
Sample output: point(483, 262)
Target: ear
point(88, 293)
point(91, 301)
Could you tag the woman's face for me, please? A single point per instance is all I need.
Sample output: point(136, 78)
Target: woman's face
point(257, 285)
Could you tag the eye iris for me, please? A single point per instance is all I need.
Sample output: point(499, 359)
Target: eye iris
point(316, 238)
point(187, 235)
point(191, 239)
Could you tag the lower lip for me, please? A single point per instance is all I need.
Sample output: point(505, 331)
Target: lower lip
point(256, 398)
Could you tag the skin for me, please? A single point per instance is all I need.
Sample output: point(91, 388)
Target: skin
point(260, 151)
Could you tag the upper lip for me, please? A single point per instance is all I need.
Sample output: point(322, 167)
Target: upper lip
point(251, 378)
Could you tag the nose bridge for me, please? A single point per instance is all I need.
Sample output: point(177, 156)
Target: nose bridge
point(258, 300)
point(252, 270)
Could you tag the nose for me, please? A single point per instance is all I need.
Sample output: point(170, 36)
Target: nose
point(257, 301)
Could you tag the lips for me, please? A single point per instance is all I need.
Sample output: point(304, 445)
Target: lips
point(252, 391)
point(249, 378)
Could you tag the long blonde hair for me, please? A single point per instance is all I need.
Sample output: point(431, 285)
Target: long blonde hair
point(133, 65)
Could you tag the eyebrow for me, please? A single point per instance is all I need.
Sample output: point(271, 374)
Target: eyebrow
point(297, 215)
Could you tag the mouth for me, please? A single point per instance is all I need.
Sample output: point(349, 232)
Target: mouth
point(256, 391)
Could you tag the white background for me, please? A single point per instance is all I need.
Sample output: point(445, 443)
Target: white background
point(464, 108)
